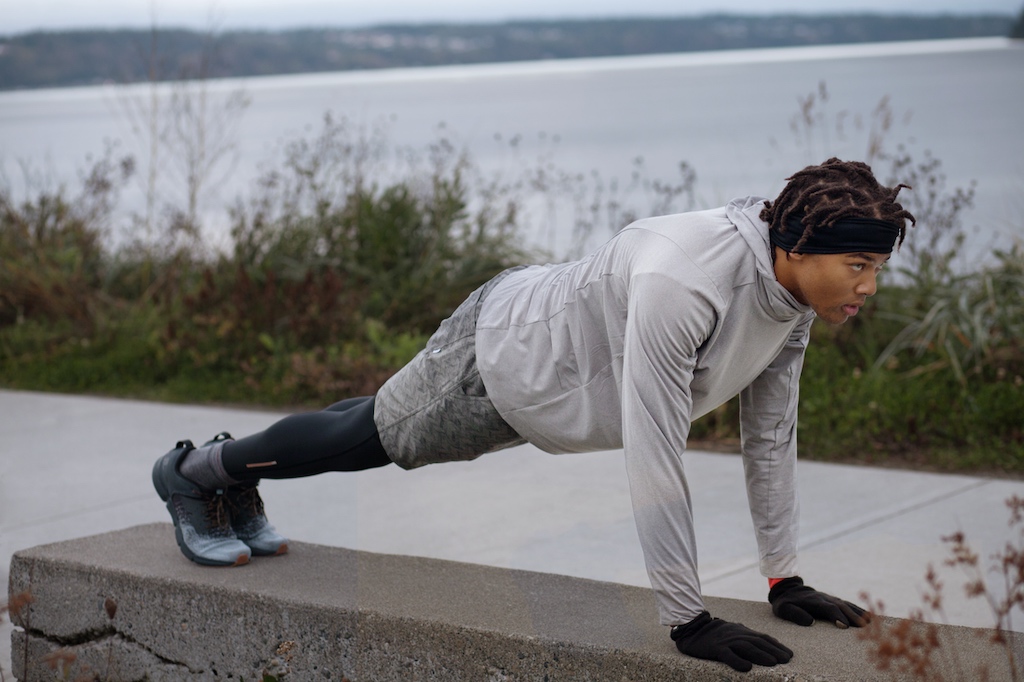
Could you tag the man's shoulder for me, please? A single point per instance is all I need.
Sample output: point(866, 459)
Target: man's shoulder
point(685, 244)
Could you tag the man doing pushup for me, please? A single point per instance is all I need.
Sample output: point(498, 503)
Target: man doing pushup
point(672, 317)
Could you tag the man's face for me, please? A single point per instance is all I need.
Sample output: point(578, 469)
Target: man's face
point(835, 285)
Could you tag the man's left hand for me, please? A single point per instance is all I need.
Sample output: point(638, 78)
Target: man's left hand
point(793, 601)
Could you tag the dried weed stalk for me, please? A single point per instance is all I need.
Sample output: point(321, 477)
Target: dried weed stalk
point(913, 647)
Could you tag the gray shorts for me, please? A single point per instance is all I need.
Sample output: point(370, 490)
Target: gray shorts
point(436, 409)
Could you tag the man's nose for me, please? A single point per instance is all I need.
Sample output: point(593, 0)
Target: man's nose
point(868, 285)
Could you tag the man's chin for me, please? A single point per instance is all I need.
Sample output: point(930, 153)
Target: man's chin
point(832, 317)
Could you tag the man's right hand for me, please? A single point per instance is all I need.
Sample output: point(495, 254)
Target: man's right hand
point(732, 643)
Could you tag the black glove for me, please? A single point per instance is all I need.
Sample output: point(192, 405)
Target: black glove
point(796, 602)
point(739, 646)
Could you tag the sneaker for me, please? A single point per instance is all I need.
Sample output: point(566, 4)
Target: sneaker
point(202, 522)
point(250, 524)
point(248, 519)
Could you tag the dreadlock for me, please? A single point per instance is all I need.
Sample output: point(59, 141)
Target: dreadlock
point(836, 189)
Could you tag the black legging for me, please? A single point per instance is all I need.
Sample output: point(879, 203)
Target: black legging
point(342, 437)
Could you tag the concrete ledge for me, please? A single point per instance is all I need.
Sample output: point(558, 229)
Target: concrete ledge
point(128, 606)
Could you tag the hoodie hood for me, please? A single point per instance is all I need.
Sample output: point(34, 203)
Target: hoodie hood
point(744, 213)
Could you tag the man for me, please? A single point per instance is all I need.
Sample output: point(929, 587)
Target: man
point(672, 317)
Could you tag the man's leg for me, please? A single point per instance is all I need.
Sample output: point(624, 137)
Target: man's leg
point(211, 491)
point(435, 409)
point(341, 438)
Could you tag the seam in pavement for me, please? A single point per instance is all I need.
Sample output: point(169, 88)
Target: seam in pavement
point(78, 512)
point(853, 527)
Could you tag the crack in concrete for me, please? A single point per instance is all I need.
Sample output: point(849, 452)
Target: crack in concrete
point(74, 639)
point(111, 640)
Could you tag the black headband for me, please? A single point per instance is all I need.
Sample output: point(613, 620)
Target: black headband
point(846, 235)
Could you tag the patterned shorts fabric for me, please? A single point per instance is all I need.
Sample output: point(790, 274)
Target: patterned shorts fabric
point(436, 409)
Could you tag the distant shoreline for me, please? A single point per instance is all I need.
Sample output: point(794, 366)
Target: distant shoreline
point(95, 57)
point(579, 65)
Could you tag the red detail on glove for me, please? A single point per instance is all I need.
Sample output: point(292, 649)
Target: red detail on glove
point(772, 582)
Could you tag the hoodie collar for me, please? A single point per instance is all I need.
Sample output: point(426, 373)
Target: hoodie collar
point(744, 213)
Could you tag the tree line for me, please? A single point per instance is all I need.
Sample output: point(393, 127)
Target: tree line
point(88, 57)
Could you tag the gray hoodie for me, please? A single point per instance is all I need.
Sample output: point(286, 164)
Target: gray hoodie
point(671, 318)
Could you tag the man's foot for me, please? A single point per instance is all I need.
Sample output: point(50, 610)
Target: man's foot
point(202, 521)
point(250, 522)
point(248, 519)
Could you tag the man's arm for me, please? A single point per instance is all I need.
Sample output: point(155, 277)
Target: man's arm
point(768, 419)
point(660, 352)
point(768, 416)
point(661, 344)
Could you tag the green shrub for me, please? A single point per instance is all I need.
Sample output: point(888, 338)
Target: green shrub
point(971, 324)
point(877, 414)
point(331, 282)
point(51, 262)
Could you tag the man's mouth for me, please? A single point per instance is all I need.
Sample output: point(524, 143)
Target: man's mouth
point(851, 310)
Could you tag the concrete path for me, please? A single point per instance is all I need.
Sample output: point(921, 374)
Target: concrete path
point(73, 466)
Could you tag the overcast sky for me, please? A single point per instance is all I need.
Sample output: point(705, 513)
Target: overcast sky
point(18, 16)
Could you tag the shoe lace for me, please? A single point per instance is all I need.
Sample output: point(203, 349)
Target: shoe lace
point(218, 515)
point(248, 500)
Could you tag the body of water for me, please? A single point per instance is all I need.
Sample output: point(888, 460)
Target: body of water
point(727, 114)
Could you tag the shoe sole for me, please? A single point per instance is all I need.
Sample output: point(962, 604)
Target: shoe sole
point(165, 495)
point(283, 549)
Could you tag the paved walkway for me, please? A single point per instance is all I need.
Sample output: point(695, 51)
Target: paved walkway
point(72, 466)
